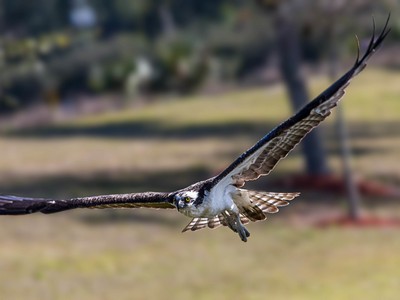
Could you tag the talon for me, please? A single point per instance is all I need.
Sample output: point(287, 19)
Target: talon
point(246, 231)
point(243, 236)
point(243, 233)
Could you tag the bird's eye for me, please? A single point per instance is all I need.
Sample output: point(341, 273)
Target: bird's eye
point(187, 199)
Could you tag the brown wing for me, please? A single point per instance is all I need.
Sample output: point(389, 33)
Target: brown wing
point(12, 205)
point(263, 156)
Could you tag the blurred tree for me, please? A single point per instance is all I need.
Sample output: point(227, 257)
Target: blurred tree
point(316, 19)
point(25, 17)
point(168, 26)
point(291, 17)
point(39, 36)
point(331, 12)
point(289, 48)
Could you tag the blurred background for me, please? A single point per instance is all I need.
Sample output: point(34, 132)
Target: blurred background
point(100, 97)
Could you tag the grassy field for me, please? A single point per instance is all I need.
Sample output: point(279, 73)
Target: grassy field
point(141, 254)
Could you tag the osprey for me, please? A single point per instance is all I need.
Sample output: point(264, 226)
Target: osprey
point(221, 200)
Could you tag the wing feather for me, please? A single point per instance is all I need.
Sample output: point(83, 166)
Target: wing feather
point(219, 220)
point(196, 224)
point(266, 153)
point(13, 205)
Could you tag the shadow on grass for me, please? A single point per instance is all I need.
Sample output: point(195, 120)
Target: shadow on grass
point(60, 187)
point(160, 130)
point(144, 129)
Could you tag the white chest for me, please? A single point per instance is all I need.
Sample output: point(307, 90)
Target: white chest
point(217, 201)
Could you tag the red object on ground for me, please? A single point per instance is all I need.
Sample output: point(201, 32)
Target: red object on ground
point(362, 222)
point(337, 184)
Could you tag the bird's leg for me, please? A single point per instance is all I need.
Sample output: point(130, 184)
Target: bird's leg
point(241, 230)
point(230, 221)
point(233, 221)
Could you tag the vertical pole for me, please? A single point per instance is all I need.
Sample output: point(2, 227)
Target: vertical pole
point(353, 196)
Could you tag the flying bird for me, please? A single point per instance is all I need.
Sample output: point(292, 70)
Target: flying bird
point(222, 200)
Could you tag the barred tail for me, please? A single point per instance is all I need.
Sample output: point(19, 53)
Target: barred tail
point(260, 203)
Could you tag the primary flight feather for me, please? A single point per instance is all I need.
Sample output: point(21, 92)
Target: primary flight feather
point(221, 200)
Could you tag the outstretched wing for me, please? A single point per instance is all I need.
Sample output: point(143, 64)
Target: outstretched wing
point(266, 153)
point(12, 205)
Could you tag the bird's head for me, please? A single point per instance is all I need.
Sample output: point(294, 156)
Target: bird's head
point(184, 200)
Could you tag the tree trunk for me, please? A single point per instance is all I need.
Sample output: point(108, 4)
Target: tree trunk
point(167, 20)
point(288, 45)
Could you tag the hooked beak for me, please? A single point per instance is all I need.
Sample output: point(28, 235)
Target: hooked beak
point(178, 203)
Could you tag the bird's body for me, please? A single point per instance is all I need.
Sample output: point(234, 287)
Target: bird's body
point(221, 200)
point(230, 206)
